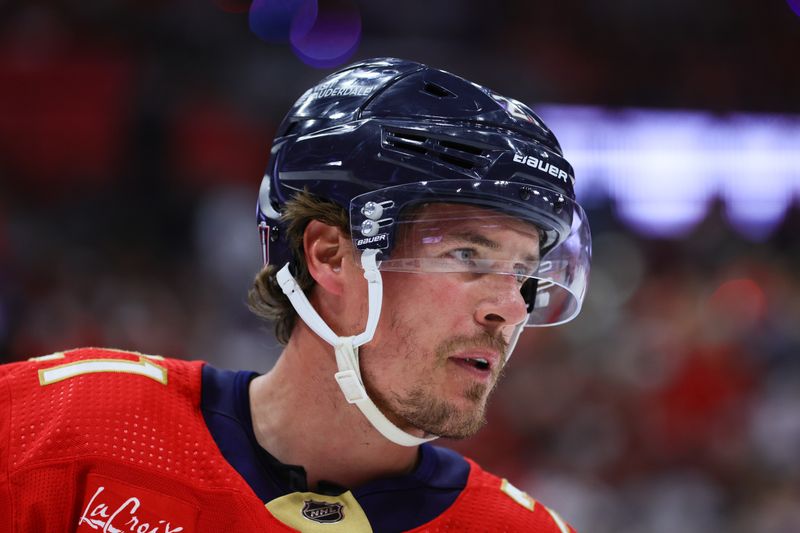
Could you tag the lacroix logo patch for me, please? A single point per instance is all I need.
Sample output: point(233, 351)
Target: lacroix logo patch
point(115, 507)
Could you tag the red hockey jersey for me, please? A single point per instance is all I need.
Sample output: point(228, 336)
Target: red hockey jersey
point(113, 441)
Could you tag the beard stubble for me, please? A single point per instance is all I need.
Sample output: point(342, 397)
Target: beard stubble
point(423, 407)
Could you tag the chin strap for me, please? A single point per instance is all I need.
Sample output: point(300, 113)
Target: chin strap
point(346, 348)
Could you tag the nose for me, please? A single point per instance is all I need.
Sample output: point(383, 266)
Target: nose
point(501, 303)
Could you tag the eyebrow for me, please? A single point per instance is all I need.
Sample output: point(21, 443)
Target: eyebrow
point(475, 238)
point(481, 240)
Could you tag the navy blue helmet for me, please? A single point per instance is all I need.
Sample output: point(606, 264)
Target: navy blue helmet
point(383, 136)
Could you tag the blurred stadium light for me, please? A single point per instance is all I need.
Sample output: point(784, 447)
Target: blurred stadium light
point(664, 168)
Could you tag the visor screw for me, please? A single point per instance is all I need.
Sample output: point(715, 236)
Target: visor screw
point(273, 234)
point(369, 228)
point(525, 194)
point(372, 210)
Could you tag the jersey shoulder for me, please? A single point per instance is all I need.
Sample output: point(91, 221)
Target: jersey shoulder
point(88, 431)
point(490, 503)
point(94, 371)
point(94, 401)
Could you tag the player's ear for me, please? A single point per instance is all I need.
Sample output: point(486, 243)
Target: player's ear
point(325, 247)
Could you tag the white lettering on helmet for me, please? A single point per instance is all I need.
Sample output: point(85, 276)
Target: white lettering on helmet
point(544, 166)
point(381, 238)
point(330, 89)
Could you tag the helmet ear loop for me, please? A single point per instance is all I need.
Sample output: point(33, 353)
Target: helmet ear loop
point(263, 231)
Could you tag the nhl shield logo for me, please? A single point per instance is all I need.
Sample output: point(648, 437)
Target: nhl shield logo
point(323, 512)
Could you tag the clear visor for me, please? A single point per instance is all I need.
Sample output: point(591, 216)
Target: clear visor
point(494, 228)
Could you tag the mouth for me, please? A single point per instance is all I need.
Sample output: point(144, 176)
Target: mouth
point(479, 363)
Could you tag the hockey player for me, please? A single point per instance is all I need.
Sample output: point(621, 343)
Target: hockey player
point(413, 223)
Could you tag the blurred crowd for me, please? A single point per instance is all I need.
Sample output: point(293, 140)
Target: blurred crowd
point(132, 141)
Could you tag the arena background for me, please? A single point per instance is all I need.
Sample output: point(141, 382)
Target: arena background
point(133, 136)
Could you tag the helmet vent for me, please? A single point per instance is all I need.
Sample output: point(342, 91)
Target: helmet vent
point(291, 127)
point(461, 147)
point(456, 161)
point(438, 91)
point(406, 142)
point(446, 151)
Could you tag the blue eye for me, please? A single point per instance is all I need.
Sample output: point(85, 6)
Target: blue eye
point(465, 255)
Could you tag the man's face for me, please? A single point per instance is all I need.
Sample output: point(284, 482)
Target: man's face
point(442, 337)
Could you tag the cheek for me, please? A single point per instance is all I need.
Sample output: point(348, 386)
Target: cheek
point(425, 299)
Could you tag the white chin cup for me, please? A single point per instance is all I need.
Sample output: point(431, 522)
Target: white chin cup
point(346, 348)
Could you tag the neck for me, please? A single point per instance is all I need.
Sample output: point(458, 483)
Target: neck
point(300, 417)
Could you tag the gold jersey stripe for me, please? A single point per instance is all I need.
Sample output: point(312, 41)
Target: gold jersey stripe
point(558, 520)
point(517, 495)
point(51, 357)
point(143, 367)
